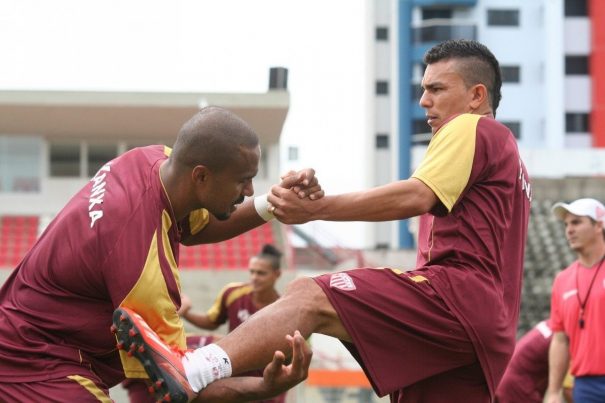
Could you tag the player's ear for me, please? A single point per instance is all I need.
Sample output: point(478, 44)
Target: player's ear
point(200, 174)
point(479, 96)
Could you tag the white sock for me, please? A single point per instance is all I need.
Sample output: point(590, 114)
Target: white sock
point(205, 365)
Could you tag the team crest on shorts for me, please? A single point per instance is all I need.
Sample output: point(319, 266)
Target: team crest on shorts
point(342, 281)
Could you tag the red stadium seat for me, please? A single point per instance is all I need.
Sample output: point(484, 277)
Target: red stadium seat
point(17, 235)
point(232, 254)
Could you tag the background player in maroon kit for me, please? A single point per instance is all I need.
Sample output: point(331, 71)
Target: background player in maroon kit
point(526, 376)
point(238, 301)
point(445, 331)
point(235, 303)
point(115, 244)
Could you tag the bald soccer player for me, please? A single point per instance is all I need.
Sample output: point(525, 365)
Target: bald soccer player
point(116, 244)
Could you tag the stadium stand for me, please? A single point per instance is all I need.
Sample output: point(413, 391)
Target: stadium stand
point(17, 235)
point(231, 254)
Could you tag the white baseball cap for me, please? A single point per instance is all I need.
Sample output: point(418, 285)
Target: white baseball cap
point(582, 207)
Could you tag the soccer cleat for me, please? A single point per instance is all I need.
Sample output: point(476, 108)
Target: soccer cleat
point(162, 363)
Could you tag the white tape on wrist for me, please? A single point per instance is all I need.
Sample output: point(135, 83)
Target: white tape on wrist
point(261, 205)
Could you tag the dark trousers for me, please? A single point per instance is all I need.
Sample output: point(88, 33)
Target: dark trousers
point(589, 389)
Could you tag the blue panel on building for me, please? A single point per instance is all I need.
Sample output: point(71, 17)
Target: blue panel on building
point(444, 2)
point(418, 51)
point(406, 240)
point(418, 112)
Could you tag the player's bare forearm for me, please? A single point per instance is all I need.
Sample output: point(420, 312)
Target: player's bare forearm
point(397, 200)
point(558, 363)
point(200, 320)
point(277, 377)
point(230, 390)
point(243, 219)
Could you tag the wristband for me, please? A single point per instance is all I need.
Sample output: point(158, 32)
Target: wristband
point(261, 205)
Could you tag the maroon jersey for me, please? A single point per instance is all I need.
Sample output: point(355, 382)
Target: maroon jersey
point(233, 304)
point(526, 376)
point(114, 244)
point(471, 245)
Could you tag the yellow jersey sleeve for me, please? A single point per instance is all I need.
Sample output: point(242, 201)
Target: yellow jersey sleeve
point(446, 167)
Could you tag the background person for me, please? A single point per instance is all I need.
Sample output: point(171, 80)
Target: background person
point(526, 376)
point(238, 301)
point(578, 305)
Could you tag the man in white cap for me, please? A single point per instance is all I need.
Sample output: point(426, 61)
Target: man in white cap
point(578, 305)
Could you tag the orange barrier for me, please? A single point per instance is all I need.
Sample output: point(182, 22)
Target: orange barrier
point(337, 378)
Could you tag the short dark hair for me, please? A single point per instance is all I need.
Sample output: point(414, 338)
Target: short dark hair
point(271, 254)
point(480, 67)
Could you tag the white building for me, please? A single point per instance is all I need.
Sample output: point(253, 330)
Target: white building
point(551, 62)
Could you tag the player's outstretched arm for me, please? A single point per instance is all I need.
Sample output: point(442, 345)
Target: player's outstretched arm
point(277, 377)
point(393, 201)
point(246, 217)
point(199, 319)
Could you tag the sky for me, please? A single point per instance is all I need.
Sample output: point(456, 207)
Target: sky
point(210, 46)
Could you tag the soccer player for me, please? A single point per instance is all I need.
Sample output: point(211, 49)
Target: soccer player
point(444, 331)
point(526, 376)
point(577, 305)
point(115, 244)
point(238, 301)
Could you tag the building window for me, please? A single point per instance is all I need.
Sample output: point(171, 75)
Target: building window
point(382, 141)
point(576, 8)
point(382, 33)
point(432, 13)
point(382, 87)
point(292, 153)
point(65, 159)
point(98, 155)
point(503, 18)
point(418, 70)
point(443, 32)
point(515, 128)
point(420, 126)
point(20, 163)
point(421, 132)
point(511, 74)
point(577, 123)
point(576, 65)
point(416, 91)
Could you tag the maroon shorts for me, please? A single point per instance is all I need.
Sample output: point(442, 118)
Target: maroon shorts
point(408, 342)
point(138, 391)
point(68, 389)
